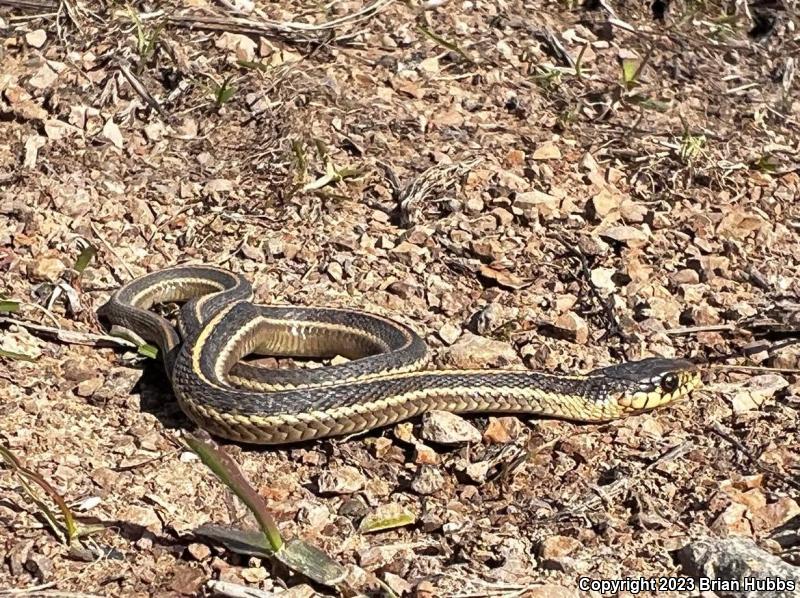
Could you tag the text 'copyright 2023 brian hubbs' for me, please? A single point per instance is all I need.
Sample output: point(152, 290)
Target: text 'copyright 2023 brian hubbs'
point(636, 585)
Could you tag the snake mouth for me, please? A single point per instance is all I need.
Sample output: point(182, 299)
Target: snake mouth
point(667, 387)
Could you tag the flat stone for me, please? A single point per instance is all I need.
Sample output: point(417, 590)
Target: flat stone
point(447, 428)
point(427, 480)
point(477, 352)
point(342, 480)
point(502, 430)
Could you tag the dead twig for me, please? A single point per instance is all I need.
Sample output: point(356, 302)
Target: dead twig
point(140, 89)
point(613, 327)
point(41, 5)
point(717, 428)
point(72, 337)
point(606, 493)
point(290, 31)
point(111, 250)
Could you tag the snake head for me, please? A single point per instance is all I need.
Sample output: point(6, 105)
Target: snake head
point(649, 383)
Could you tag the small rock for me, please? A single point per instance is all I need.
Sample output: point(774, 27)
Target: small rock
point(254, 574)
point(502, 277)
point(739, 558)
point(315, 516)
point(503, 216)
point(408, 253)
point(218, 186)
point(388, 516)
point(547, 151)
point(700, 315)
point(603, 278)
point(242, 46)
point(87, 388)
point(187, 580)
point(536, 203)
point(629, 235)
point(39, 566)
point(198, 552)
point(502, 430)
point(632, 211)
point(605, 202)
point(555, 552)
point(757, 390)
point(449, 333)
point(776, 514)
point(425, 589)
point(404, 432)
point(473, 205)
point(36, 38)
point(493, 316)
point(572, 327)
point(447, 428)
point(685, 276)
point(733, 521)
point(514, 158)
point(478, 472)
point(398, 585)
point(47, 269)
point(425, 455)
point(44, 78)
point(476, 352)
point(335, 271)
point(144, 517)
point(342, 480)
point(18, 555)
point(593, 245)
point(354, 508)
point(21, 342)
point(23, 105)
point(112, 133)
point(382, 446)
point(427, 480)
point(558, 546)
point(377, 557)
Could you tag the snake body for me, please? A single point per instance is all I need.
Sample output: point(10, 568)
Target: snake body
point(383, 383)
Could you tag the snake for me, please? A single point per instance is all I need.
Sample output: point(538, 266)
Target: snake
point(384, 378)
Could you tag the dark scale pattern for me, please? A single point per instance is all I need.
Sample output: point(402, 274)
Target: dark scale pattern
point(220, 318)
point(129, 306)
point(401, 347)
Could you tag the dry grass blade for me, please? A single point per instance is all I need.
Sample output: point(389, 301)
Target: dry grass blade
point(72, 337)
point(296, 554)
point(290, 30)
point(140, 89)
point(41, 5)
point(229, 473)
point(69, 529)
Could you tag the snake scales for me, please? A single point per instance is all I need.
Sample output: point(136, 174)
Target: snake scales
point(383, 382)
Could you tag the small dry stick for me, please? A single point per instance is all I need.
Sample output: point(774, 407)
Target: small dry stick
point(616, 488)
point(71, 337)
point(111, 251)
point(139, 88)
point(717, 428)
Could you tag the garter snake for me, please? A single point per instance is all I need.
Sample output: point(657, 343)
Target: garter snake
point(383, 383)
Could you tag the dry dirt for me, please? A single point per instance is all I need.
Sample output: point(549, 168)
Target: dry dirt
point(575, 185)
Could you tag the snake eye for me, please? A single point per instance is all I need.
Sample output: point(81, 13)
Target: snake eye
point(670, 383)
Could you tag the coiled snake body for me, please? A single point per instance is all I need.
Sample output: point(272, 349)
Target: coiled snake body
point(382, 384)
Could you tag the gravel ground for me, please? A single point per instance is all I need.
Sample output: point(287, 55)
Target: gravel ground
point(545, 185)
